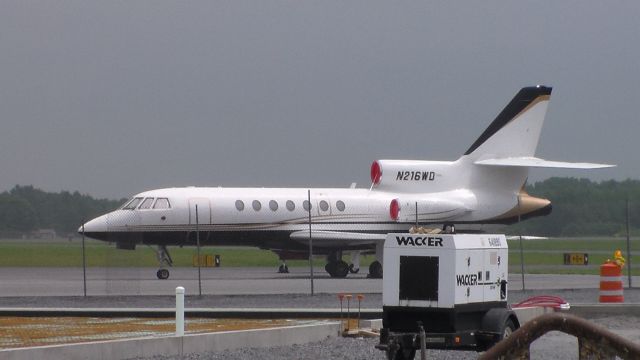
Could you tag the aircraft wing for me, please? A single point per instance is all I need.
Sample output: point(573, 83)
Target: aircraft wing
point(338, 238)
point(515, 237)
point(540, 163)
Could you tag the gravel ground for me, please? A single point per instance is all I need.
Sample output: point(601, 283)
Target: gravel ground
point(332, 348)
point(553, 345)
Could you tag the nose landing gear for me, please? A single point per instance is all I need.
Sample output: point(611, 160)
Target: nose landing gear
point(165, 260)
point(283, 269)
point(163, 274)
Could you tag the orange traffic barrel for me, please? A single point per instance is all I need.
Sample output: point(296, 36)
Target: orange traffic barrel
point(611, 283)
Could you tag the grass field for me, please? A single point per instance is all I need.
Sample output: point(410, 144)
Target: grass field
point(547, 256)
point(62, 253)
point(540, 256)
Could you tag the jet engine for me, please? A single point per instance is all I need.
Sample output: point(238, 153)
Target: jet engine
point(409, 175)
point(425, 209)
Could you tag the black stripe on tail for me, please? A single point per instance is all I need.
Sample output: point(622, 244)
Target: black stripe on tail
point(523, 98)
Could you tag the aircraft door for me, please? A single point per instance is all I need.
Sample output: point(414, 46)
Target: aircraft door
point(323, 204)
point(204, 211)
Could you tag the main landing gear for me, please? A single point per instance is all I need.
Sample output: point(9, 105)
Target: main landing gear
point(338, 268)
point(283, 269)
point(165, 261)
point(375, 270)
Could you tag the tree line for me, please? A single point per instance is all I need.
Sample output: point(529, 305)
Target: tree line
point(584, 208)
point(580, 208)
point(25, 209)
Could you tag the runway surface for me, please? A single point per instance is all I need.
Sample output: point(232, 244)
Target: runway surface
point(15, 281)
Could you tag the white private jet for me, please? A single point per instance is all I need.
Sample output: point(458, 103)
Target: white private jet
point(484, 186)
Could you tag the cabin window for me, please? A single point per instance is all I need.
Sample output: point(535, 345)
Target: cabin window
point(273, 205)
point(132, 204)
point(162, 203)
point(146, 204)
point(239, 205)
point(256, 205)
point(324, 206)
point(306, 205)
point(340, 205)
point(291, 205)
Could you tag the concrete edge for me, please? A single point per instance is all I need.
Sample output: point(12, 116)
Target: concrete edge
point(373, 324)
point(583, 310)
point(526, 314)
point(591, 310)
point(178, 345)
point(221, 313)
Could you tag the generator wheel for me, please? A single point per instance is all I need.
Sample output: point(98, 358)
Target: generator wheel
point(401, 353)
point(499, 322)
point(508, 329)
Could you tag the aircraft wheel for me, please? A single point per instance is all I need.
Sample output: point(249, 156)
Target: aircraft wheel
point(341, 269)
point(163, 274)
point(330, 268)
point(375, 270)
point(337, 269)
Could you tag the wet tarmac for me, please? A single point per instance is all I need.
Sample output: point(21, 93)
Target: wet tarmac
point(47, 281)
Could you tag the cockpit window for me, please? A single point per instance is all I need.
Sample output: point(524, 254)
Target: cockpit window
point(162, 203)
point(132, 204)
point(146, 204)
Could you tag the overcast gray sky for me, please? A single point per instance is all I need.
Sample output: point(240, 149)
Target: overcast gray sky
point(111, 98)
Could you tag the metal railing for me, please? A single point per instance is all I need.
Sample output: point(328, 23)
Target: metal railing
point(594, 342)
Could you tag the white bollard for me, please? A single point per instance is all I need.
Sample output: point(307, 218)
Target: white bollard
point(179, 311)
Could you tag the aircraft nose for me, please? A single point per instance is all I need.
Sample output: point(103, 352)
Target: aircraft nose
point(96, 228)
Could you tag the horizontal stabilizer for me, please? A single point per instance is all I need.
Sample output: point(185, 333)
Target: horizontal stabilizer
point(337, 238)
point(539, 163)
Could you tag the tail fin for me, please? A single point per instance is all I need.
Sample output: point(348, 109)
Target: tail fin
point(516, 130)
point(501, 157)
point(512, 138)
point(497, 162)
